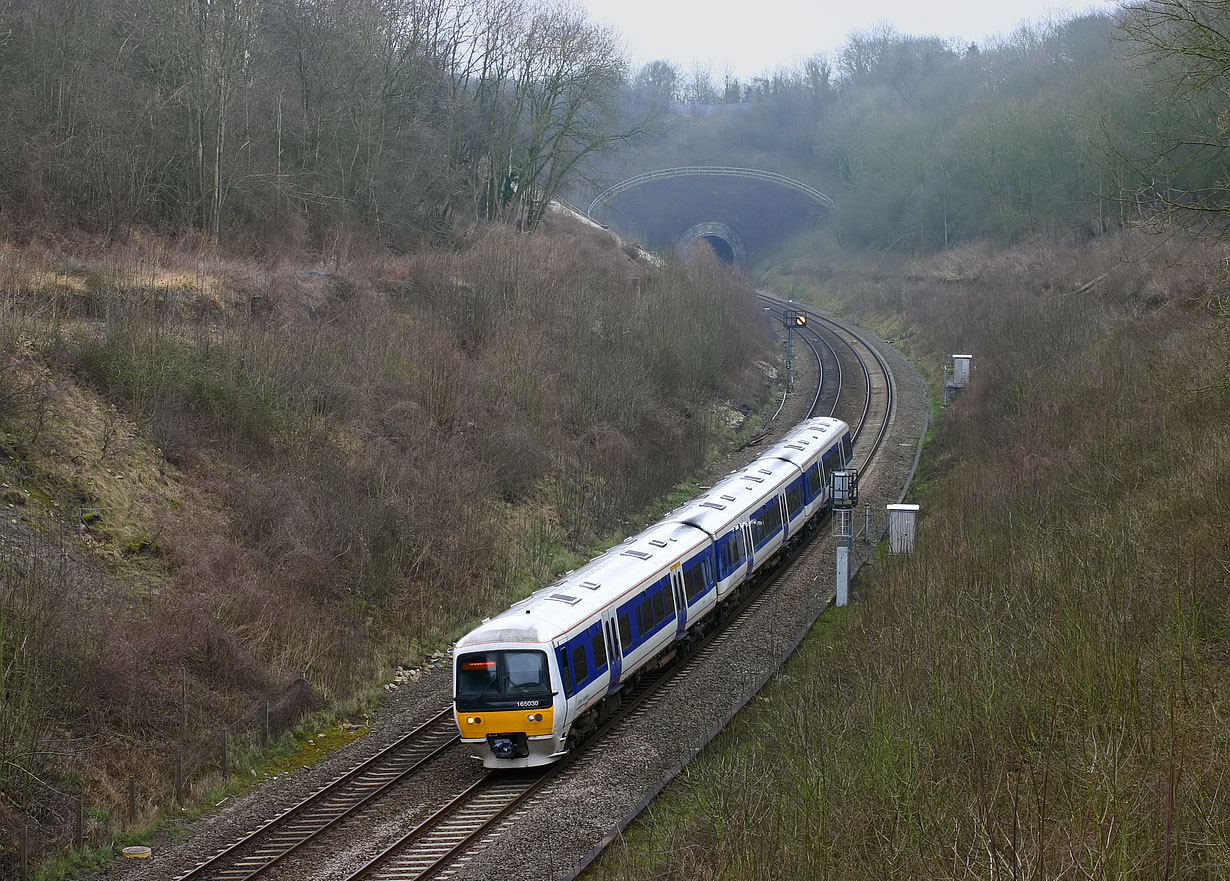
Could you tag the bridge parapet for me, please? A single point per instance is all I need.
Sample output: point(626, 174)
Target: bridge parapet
point(710, 171)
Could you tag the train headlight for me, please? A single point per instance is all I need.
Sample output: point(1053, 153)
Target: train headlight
point(534, 717)
point(473, 720)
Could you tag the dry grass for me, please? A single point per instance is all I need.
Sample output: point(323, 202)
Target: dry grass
point(324, 471)
point(1041, 691)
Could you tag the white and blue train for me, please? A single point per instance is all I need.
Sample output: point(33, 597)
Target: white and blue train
point(532, 681)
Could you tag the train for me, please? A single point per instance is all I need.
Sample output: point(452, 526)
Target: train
point(533, 681)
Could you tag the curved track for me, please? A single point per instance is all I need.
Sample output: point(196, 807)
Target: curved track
point(879, 391)
point(442, 841)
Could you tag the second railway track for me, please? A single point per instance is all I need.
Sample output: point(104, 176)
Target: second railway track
point(440, 844)
point(294, 829)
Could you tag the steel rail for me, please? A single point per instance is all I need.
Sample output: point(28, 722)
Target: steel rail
point(815, 401)
point(802, 332)
point(820, 387)
point(762, 594)
point(453, 829)
point(890, 392)
point(287, 833)
point(445, 843)
point(845, 333)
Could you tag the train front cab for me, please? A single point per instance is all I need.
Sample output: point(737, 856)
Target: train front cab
point(507, 701)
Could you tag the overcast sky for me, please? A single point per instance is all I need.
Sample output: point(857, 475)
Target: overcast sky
point(762, 35)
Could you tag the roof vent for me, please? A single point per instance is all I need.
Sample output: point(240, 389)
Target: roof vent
point(591, 585)
point(640, 555)
point(564, 598)
point(754, 477)
point(657, 543)
point(718, 505)
point(729, 498)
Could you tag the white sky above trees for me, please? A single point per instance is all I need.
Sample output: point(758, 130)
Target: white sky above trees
point(750, 38)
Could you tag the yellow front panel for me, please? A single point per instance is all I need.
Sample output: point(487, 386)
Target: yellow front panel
point(504, 722)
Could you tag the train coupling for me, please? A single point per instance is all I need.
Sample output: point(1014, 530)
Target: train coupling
point(509, 746)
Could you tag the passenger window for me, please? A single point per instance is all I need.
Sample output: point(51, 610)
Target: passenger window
point(563, 669)
point(646, 613)
point(658, 612)
point(668, 596)
point(696, 578)
point(579, 668)
point(599, 651)
point(772, 518)
point(625, 630)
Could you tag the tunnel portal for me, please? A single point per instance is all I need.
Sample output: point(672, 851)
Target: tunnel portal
point(725, 242)
point(741, 213)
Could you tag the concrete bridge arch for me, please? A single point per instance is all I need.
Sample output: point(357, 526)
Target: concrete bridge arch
point(743, 213)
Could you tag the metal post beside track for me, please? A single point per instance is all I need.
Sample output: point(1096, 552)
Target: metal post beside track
point(843, 573)
point(844, 493)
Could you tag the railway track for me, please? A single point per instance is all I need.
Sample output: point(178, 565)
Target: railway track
point(879, 391)
point(304, 823)
point(442, 842)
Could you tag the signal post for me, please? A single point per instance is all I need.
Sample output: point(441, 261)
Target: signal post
point(844, 493)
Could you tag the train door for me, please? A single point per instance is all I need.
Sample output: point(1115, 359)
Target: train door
point(615, 652)
point(681, 600)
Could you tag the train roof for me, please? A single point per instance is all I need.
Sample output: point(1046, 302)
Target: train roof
point(553, 611)
point(722, 506)
point(734, 496)
point(799, 445)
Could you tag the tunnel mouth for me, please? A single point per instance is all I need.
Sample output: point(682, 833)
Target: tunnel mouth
point(725, 242)
point(724, 250)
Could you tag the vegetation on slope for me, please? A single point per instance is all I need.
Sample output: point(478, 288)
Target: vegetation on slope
point(290, 471)
point(1041, 691)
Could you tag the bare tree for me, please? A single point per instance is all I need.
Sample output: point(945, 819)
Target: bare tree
point(1185, 45)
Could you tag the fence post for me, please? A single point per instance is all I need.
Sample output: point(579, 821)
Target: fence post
point(132, 801)
point(179, 778)
point(79, 828)
point(266, 742)
point(25, 852)
point(225, 764)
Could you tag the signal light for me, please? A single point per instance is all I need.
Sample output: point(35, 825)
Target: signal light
point(534, 717)
point(473, 720)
